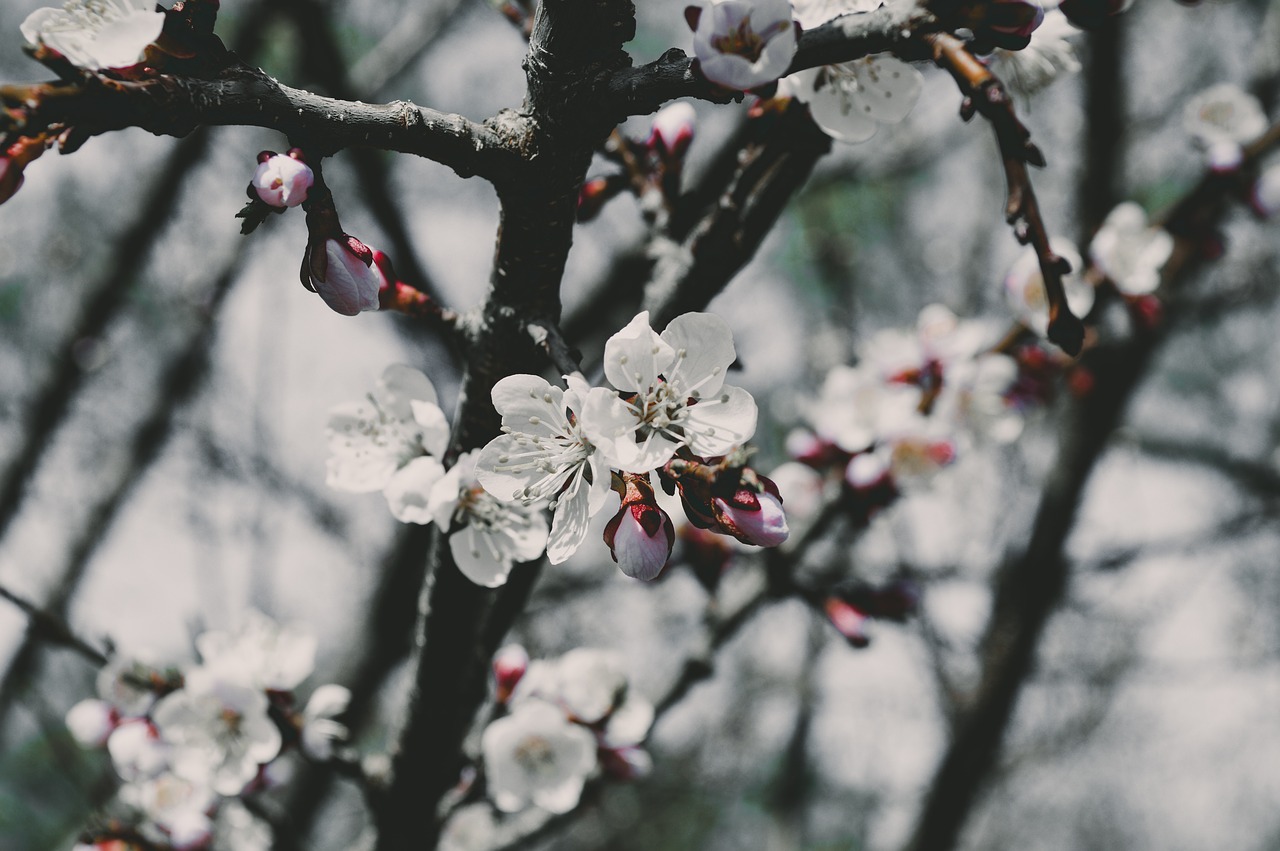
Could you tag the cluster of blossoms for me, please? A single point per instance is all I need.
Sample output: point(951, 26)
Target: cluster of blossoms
point(668, 412)
point(915, 400)
point(566, 720)
point(186, 743)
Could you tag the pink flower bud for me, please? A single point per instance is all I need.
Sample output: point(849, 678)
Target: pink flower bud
point(751, 517)
point(282, 180)
point(1224, 156)
point(672, 131)
point(509, 665)
point(343, 275)
point(848, 621)
point(640, 537)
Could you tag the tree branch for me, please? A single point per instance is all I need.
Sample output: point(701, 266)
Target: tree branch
point(44, 626)
point(985, 94)
point(639, 91)
point(242, 95)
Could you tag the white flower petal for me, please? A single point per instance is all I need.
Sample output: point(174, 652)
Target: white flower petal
point(409, 491)
point(435, 426)
point(569, 523)
point(529, 404)
point(397, 388)
point(475, 557)
point(715, 426)
point(703, 344)
point(635, 356)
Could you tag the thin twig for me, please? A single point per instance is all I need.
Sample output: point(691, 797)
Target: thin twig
point(44, 626)
point(986, 94)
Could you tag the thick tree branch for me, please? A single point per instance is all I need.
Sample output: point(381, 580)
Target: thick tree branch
point(573, 41)
point(242, 95)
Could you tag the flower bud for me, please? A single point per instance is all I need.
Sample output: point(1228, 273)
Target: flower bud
point(282, 180)
point(753, 516)
point(847, 620)
point(13, 160)
point(672, 131)
point(90, 722)
point(341, 271)
point(640, 536)
point(509, 665)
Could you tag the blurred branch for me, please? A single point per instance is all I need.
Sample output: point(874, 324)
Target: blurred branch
point(1104, 126)
point(179, 383)
point(403, 45)
point(770, 170)
point(1257, 477)
point(1031, 585)
point(46, 627)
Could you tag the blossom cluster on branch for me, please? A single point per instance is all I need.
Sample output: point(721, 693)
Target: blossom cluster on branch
point(190, 742)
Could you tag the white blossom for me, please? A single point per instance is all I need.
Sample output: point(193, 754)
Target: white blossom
point(1130, 251)
point(856, 407)
point(676, 395)
point(537, 755)
point(544, 454)
point(1224, 113)
point(262, 652)
point(1049, 56)
point(973, 398)
point(586, 683)
point(373, 442)
point(96, 33)
point(136, 751)
point(742, 44)
point(177, 805)
point(490, 536)
point(91, 722)
point(218, 729)
point(320, 729)
point(851, 100)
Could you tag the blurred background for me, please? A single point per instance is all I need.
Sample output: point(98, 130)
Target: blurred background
point(164, 384)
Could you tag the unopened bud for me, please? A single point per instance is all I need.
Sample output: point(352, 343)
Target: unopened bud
point(753, 517)
point(640, 536)
point(673, 129)
point(848, 621)
point(509, 665)
point(282, 180)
